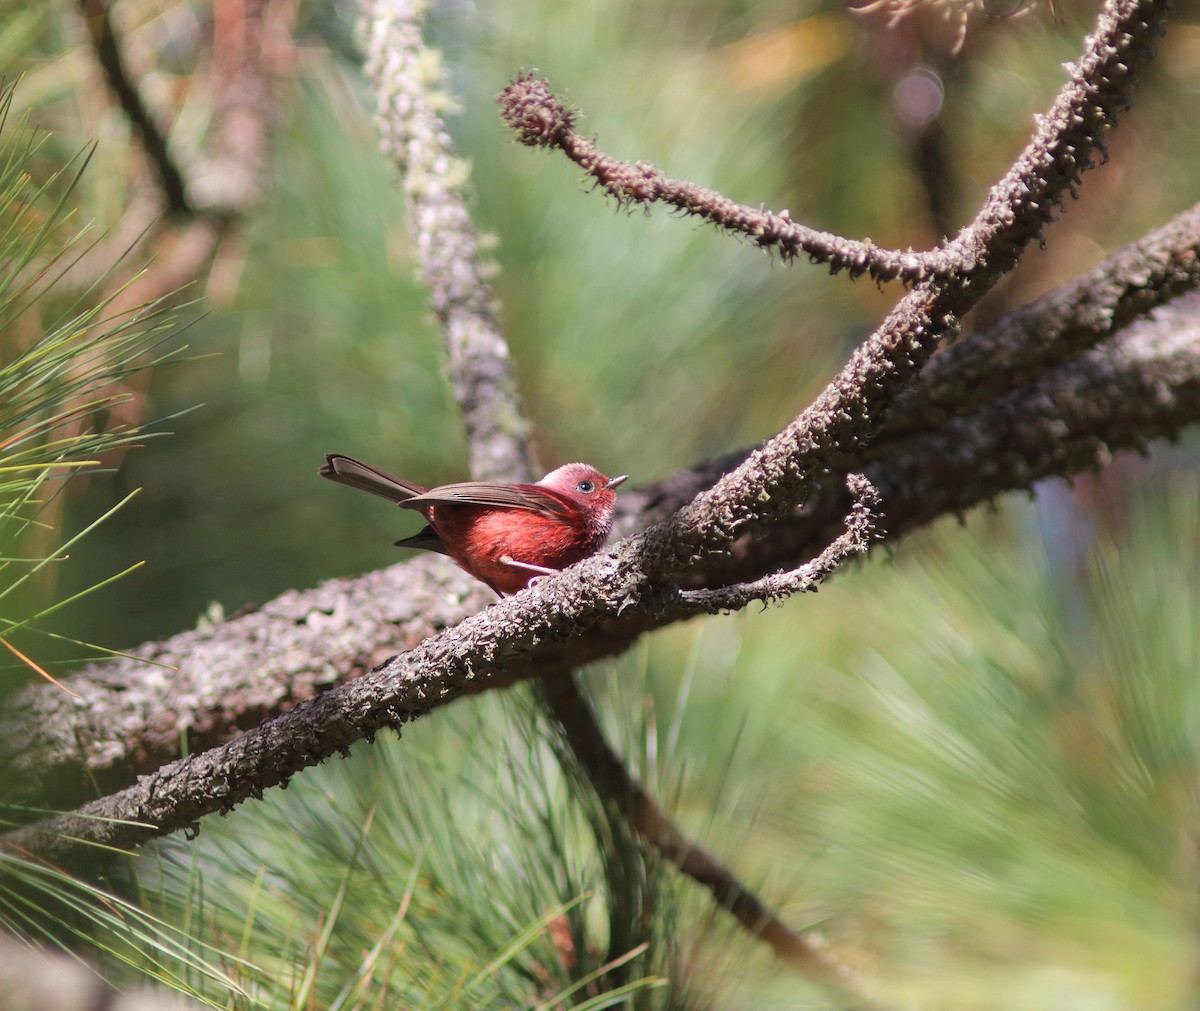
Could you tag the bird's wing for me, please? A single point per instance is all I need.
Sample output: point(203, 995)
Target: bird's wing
point(487, 493)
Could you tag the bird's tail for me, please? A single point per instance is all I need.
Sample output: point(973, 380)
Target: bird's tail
point(348, 471)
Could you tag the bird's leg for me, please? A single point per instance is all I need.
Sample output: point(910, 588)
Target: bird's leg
point(540, 570)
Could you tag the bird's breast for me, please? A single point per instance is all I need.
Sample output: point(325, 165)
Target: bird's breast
point(478, 537)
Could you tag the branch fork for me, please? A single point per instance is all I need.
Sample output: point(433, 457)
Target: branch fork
point(1051, 166)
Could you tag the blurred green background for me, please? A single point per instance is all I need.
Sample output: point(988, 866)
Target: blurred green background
point(971, 761)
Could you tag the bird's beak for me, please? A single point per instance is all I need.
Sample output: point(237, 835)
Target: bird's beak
point(614, 481)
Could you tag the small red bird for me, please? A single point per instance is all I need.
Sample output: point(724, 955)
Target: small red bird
point(502, 534)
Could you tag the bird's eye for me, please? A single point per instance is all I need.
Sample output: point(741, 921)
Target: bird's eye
point(587, 487)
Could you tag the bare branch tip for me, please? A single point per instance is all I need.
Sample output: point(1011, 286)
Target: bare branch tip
point(862, 491)
point(534, 113)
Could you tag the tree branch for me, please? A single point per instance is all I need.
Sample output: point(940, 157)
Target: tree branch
point(541, 119)
point(405, 76)
point(581, 732)
point(1057, 327)
point(779, 474)
point(853, 540)
point(154, 142)
point(1059, 153)
point(616, 786)
point(1140, 385)
point(1152, 375)
point(225, 181)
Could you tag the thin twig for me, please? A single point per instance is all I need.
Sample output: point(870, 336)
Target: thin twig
point(541, 119)
point(227, 178)
point(855, 539)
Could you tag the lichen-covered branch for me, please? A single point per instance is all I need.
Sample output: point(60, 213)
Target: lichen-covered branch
point(1059, 326)
point(1063, 147)
point(406, 77)
point(229, 674)
point(1142, 385)
point(401, 69)
point(540, 119)
point(855, 539)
